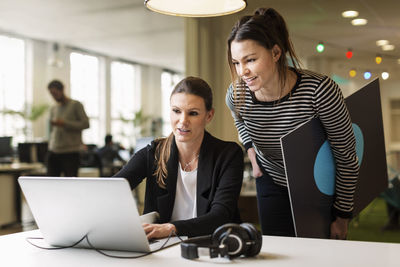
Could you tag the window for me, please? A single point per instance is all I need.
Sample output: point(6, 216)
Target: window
point(85, 88)
point(12, 88)
point(168, 82)
point(125, 101)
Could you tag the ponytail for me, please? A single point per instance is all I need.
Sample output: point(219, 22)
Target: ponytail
point(162, 154)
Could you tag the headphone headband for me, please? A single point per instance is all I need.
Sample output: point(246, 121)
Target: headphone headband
point(229, 240)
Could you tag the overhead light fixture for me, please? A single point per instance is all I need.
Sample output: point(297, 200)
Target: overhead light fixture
point(359, 22)
point(382, 42)
point(54, 59)
point(387, 47)
point(196, 8)
point(349, 14)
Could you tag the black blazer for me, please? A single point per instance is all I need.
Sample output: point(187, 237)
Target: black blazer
point(219, 180)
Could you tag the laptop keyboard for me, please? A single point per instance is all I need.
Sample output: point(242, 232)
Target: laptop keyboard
point(152, 241)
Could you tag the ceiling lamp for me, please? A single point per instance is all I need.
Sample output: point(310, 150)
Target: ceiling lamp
point(352, 73)
point(387, 47)
point(382, 42)
point(359, 22)
point(195, 8)
point(349, 14)
point(54, 59)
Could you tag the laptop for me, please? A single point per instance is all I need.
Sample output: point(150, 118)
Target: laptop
point(66, 209)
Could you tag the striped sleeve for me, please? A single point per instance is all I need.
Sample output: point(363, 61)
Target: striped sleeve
point(336, 120)
point(239, 123)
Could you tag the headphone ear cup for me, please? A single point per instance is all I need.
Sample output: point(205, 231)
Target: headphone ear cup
point(233, 236)
point(255, 236)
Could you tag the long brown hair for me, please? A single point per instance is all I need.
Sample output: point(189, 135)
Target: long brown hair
point(189, 85)
point(268, 28)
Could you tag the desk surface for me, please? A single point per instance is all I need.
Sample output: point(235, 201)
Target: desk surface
point(276, 251)
point(20, 167)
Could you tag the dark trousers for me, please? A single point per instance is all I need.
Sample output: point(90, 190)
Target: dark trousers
point(274, 208)
point(393, 214)
point(63, 163)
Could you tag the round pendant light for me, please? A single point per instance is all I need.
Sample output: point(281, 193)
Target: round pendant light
point(196, 8)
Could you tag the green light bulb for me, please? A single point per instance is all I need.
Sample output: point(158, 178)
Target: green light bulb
point(320, 47)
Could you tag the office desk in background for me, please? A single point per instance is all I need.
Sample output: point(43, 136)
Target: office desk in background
point(276, 251)
point(10, 196)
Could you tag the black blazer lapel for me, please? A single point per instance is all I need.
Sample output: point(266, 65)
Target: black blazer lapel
point(204, 176)
point(166, 202)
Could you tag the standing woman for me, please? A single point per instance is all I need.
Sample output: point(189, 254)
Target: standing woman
point(268, 99)
point(193, 179)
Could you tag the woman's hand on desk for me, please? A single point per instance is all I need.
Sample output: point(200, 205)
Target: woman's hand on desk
point(339, 228)
point(158, 230)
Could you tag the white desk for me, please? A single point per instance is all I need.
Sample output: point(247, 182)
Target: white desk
point(276, 251)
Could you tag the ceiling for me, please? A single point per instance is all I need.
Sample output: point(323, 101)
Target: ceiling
point(126, 29)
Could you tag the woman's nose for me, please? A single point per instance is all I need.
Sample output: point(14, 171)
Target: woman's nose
point(183, 118)
point(242, 70)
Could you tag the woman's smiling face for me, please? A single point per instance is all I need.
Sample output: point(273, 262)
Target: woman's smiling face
point(254, 64)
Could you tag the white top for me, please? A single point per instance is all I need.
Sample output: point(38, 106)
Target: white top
point(185, 196)
point(275, 252)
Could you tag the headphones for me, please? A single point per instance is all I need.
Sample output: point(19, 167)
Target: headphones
point(229, 240)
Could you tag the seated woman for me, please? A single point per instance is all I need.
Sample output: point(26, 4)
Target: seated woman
point(193, 179)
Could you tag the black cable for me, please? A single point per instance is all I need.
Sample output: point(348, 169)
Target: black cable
point(52, 248)
point(98, 250)
point(132, 257)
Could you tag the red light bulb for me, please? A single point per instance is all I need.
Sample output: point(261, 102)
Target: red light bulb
point(349, 54)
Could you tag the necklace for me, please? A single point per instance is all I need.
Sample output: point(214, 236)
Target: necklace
point(190, 162)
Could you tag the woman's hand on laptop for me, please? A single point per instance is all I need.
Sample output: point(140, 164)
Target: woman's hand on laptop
point(158, 230)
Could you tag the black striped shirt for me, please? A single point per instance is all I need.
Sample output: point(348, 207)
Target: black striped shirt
point(262, 124)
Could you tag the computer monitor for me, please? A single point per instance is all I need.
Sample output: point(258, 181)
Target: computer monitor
point(32, 152)
point(6, 150)
point(142, 142)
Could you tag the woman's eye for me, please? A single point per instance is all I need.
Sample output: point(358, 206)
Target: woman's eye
point(235, 63)
point(176, 110)
point(193, 113)
point(251, 60)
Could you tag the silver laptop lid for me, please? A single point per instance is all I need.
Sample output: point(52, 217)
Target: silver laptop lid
point(66, 209)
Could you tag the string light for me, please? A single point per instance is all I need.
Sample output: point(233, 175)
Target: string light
point(320, 47)
point(378, 59)
point(349, 54)
point(385, 75)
